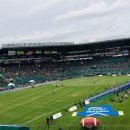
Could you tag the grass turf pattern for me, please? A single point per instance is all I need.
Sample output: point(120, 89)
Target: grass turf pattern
point(31, 106)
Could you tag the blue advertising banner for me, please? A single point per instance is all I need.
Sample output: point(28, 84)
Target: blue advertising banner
point(104, 110)
point(124, 87)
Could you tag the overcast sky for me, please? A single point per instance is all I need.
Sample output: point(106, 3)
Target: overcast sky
point(63, 20)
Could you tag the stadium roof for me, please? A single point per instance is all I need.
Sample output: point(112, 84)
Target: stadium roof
point(21, 45)
point(52, 44)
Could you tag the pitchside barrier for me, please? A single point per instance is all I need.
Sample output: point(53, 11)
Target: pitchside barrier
point(119, 88)
point(13, 127)
point(73, 127)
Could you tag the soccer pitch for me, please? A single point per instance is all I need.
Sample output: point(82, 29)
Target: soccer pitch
point(31, 106)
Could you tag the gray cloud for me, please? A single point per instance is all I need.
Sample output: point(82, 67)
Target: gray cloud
point(63, 20)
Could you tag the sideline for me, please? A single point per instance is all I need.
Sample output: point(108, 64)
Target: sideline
point(26, 87)
point(44, 115)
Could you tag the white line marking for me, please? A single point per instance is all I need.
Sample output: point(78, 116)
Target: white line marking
point(97, 113)
point(44, 115)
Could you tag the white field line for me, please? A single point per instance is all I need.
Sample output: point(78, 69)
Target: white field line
point(44, 115)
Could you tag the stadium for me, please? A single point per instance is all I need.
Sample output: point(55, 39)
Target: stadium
point(48, 86)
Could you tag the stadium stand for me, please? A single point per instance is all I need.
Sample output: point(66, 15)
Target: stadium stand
point(55, 62)
point(62, 70)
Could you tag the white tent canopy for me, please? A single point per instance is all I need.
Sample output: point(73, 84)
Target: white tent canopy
point(31, 81)
point(11, 85)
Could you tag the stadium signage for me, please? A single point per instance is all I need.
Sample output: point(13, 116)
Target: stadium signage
point(104, 110)
point(58, 115)
point(11, 53)
point(73, 108)
point(87, 102)
point(114, 89)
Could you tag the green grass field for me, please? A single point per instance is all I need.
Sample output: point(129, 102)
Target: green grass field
point(30, 107)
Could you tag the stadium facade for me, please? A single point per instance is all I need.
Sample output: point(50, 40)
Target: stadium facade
point(63, 51)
